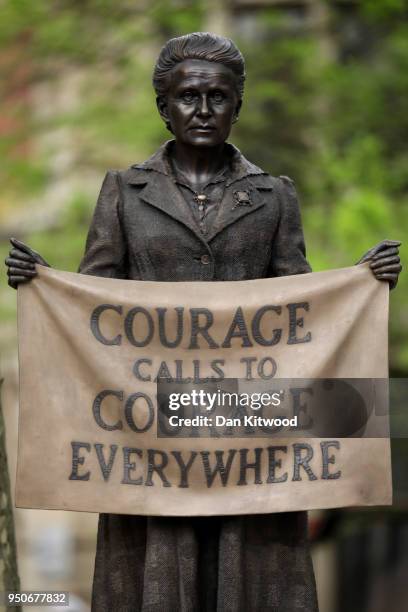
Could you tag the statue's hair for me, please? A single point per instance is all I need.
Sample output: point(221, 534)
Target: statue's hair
point(202, 46)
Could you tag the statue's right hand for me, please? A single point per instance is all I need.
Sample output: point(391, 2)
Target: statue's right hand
point(21, 263)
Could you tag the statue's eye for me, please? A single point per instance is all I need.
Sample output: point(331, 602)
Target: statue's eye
point(218, 96)
point(188, 96)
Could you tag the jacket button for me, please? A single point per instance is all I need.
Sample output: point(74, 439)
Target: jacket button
point(205, 259)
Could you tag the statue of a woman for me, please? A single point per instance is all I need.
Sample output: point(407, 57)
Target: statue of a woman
point(197, 210)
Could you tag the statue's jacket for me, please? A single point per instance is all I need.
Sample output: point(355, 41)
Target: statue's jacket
point(143, 229)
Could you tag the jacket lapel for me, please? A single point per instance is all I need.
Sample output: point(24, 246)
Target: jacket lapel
point(162, 193)
point(240, 199)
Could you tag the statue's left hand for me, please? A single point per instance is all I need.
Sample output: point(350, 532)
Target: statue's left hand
point(385, 261)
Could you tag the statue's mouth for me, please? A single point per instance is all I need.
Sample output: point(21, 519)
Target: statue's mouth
point(203, 128)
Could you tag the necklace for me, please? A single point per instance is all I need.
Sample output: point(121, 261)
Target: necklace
point(202, 200)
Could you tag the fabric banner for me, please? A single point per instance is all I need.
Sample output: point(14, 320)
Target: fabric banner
point(95, 355)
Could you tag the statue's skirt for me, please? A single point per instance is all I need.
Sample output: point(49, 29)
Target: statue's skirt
point(223, 563)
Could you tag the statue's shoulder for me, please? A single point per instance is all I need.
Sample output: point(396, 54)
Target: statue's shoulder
point(282, 186)
point(140, 173)
point(261, 178)
point(279, 183)
point(264, 180)
point(134, 175)
point(286, 180)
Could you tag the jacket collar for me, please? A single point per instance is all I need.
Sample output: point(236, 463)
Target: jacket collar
point(159, 190)
point(240, 166)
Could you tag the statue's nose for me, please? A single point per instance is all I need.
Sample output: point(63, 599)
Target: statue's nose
point(204, 109)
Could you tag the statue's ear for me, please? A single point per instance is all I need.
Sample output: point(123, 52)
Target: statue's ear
point(237, 111)
point(161, 103)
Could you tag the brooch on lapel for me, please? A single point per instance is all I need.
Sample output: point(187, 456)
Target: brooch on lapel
point(241, 198)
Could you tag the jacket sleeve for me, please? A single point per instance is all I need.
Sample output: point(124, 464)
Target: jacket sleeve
point(105, 250)
point(288, 248)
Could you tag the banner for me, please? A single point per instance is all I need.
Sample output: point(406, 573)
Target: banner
point(121, 381)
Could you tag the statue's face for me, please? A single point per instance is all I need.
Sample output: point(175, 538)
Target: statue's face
point(201, 104)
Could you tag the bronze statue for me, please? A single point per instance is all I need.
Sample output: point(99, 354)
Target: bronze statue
point(197, 210)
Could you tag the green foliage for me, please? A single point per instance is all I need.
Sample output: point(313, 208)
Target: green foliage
point(277, 114)
point(63, 246)
point(383, 9)
point(177, 18)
